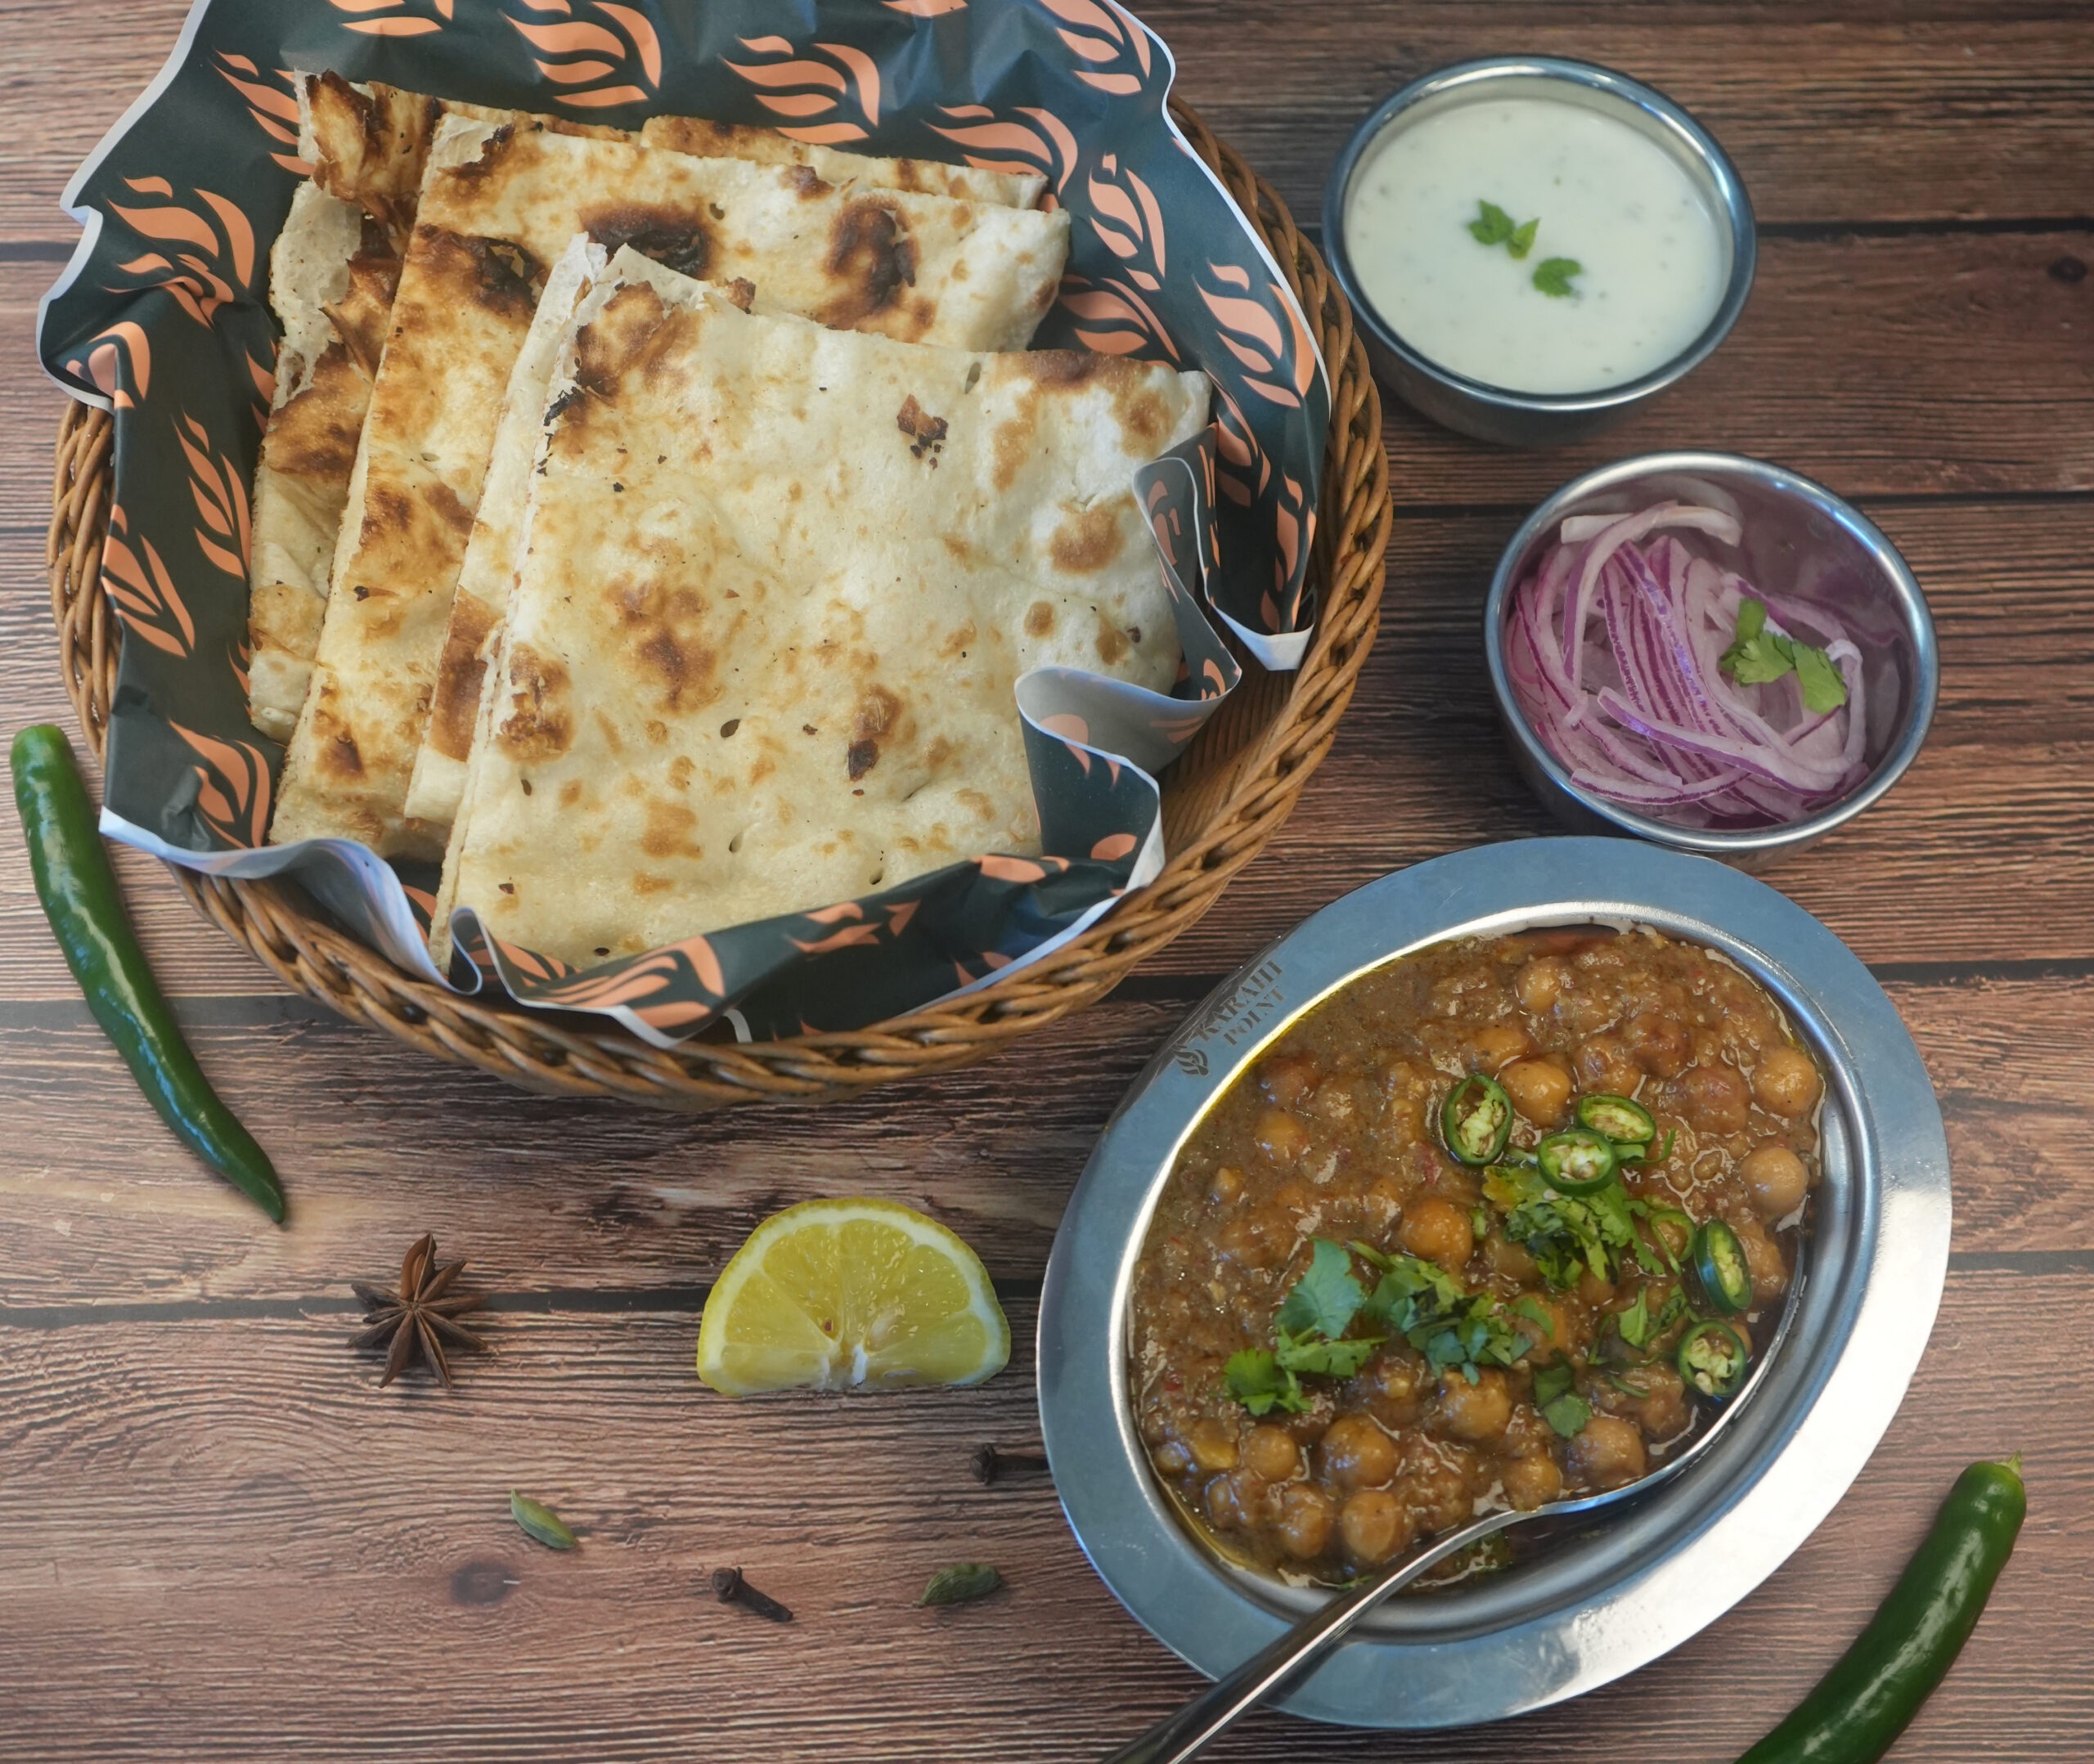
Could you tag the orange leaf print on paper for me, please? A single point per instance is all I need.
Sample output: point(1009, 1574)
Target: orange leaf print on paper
point(142, 591)
point(800, 88)
point(393, 18)
point(103, 362)
point(1126, 216)
point(204, 256)
point(1115, 319)
point(221, 500)
point(1108, 40)
point(600, 63)
point(1266, 335)
point(232, 788)
point(925, 8)
point(1114, 846)
point(1043, 143)
point(274, 108)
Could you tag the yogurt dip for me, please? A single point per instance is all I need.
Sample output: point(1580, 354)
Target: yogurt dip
point(1651, 255)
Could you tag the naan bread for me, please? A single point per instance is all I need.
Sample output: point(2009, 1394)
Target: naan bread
point(331, 278)
point(496, 206)
point(777, 584)
point(369, 147)
point(482, 598)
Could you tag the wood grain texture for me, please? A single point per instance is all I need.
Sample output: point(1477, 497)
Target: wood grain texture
point(222, 1542)
point(596, 1198)
point(255, 1562)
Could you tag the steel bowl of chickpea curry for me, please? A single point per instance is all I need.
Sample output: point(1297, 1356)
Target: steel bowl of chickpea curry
point(1487, 1187)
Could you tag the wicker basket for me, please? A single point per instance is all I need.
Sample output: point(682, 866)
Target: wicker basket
point(1222, 800)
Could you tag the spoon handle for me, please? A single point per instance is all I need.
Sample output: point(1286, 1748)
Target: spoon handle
point(1293, 1653)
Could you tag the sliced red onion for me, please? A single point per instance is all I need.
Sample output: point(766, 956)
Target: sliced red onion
point(1613, 648)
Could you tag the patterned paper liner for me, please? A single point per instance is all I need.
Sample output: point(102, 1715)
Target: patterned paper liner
point(163, 316)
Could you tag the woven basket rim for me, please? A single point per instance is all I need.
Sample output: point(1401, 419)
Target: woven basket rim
point(547, 1053)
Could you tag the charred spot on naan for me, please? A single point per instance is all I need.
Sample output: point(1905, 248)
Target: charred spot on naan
point(314, 434)
point(662, 630)
point(539, 725)
point(807, 182)
point(873, 258)
point(925, 432)
point(674, 237)
point(370, 148)
point(364, 313)
point(877, 716)
point(1088, 540)
point(455, 706)
point(668, 830)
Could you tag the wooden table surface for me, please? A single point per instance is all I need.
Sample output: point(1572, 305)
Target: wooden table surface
point(221, 1541)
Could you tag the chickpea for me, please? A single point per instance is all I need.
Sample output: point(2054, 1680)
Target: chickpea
point(1775, 1178)
point(1662, 1413)
point(1271, 1452)
point(1255, 1240)
point(1607, 1452)
point(1497, 1045)
point(1374, 1525)
point(1553, 1339)
point(1212, 1444)
point(1787, 1083)
point(1173, 1459)
point(1541, 982)
point(1532, 1482)
point(1225, 1187)
point(1713, 1097)
point(1239, 1501)
point(1280, 1136)
point(1604, 1064)
point(1394, 1399)
point(1306, 1517)
point(1539, 1088)
point(1475, 1412)
point(1287, 1078)
point(1355, 1453)
point(1337, 1100)
point(1763, 1258)
point(1438, 1230)
point(1594, 1290)
point(1659, 1042)
point(1440, 1497)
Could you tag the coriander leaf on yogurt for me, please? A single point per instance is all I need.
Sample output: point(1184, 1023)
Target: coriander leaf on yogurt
point(1552, 276)
point(1492, 225)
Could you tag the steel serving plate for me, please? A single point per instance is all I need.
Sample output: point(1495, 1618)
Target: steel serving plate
point(1602, 1602)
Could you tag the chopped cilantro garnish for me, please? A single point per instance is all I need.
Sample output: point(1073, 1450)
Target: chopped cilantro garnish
point(1452, 1327)
point(1758, 655)
point(1327, 1297)
point(1257, 1380)
point(1529, 1307)
point(1560, 1404)
point(1333, 1359)
point(1492, 225)
point(1567, 1235)
point(1552, 276)
point(1634, 1323)
point(1522, 240)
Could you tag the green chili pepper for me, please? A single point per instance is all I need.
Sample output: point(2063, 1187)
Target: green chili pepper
point(78, 891)
point(1713, 1358)
point(1577, 1161)
point(1719, 1264)
point(1864, 1702)
point(1625, 1122)
point(1477, 1119)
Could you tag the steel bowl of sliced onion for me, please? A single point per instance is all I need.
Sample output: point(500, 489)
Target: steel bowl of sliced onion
point(1710, 652)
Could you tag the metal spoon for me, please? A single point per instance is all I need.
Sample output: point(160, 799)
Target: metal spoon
point(1293, 1655)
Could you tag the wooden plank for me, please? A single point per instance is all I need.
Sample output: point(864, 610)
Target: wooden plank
point(225, 1542)
point(1891, 112)
point(1876, 115)
point(378, 1144)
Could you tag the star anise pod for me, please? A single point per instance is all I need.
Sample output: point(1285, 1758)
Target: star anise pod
point(418, 1316)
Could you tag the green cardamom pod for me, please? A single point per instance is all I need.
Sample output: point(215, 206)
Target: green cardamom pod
point(962, 1582)
point(540, 1521)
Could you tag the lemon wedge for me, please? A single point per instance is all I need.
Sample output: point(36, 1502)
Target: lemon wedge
point(851, 1294)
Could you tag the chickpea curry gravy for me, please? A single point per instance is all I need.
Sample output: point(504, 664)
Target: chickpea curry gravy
point(1491, 1226)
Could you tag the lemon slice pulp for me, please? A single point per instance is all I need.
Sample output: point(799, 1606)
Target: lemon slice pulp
point(851, 1294)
